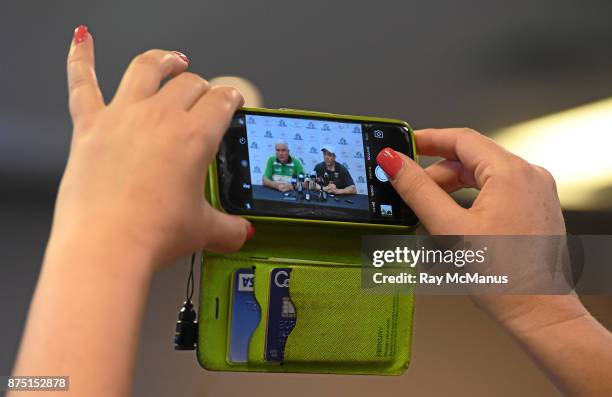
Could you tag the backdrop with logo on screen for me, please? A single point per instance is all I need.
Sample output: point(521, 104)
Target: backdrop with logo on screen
point(305, 139)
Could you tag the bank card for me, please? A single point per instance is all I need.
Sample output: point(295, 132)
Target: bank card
point(281, 315)
point(245, 315)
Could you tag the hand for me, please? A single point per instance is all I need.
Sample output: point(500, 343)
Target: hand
point(330, 188)
point(333, 189)
point(283, 187)
point(516, 198)
point(137, 166)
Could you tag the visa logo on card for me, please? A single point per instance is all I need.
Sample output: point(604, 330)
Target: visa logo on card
point(246, 282)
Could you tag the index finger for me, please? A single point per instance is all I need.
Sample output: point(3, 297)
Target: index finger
point(84, 93)
point(146, 72)
point(475, 151)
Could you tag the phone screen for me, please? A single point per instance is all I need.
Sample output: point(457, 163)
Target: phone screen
point(310, 168)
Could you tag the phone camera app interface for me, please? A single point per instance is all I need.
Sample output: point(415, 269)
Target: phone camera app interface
point(310, 168)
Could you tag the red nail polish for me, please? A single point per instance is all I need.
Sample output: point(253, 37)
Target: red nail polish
point(390, 161)
point(80, 34)
point(250, 232)
point(182, 56)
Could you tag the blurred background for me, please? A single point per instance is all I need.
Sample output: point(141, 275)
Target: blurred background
point(536, 75)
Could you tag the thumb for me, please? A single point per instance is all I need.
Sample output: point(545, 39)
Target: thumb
point(430, 202)
point(226, 233)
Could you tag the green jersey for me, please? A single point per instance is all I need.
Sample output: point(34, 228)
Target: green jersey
point(283, 172)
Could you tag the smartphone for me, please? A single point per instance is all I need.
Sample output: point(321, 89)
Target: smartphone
point(294, 164)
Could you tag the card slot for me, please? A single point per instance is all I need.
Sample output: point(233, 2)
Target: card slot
point(214, 312)
point(326, 354)
point(257, 344)
point(338, 323)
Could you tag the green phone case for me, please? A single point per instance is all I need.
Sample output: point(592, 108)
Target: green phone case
point(340, 328)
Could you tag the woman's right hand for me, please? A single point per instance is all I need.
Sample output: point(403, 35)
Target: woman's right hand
point(515, 198)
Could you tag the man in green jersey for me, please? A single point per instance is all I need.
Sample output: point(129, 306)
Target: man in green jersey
point(280, 169)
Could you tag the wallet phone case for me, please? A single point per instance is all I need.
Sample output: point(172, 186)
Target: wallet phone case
point(338, 327)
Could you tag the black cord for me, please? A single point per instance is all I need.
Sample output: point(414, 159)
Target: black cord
point(186, 333)
point(189, 292)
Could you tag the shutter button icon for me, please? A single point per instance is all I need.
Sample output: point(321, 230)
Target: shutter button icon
point(380, 174)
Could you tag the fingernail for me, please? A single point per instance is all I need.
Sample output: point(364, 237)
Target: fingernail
point(250, 232)
point(390, 161)
point(182, 56)
point(80, 34)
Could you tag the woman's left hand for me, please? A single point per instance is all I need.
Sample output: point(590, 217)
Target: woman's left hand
point(137, 167)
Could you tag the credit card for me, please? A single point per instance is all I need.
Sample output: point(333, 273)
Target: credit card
point(245, 315)
point(281, 315)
